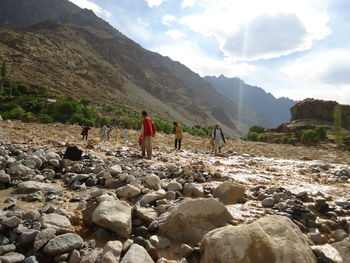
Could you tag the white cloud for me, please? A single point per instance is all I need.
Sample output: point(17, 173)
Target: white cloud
point(92, 6)
point(255, 29)
point(323, 74)
point(189, 54)
point(141, 22)
point(175, 34)
point(188, 3)
point(153, 3)
point(167, 19)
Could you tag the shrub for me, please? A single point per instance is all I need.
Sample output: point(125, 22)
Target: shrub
point(16, 113)
point(308, 136)
point(321, 133)
point(292, 140)
point(105, 120)
point(262, 137)
point(257, 129)
point(285, 139)
point(44, 118)
point(28, 116)
point(253, 136)
point(277, 140)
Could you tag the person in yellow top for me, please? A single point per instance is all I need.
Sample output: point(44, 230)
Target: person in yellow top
point(177, 130)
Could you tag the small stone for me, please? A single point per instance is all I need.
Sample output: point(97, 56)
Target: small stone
point(43, 237)
point(174, 186)
point(152, 181)
point(31, 259)
point(111, 252)
point(268, 202)
point(115, 170)
point(11, 222)
point(128, 192)
point(159, 242)
point(7, 248)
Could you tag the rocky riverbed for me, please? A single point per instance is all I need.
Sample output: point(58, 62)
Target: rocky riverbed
point(247, 204)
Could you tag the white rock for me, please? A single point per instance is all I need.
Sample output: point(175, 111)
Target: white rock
point(152, 181)
point(115, 170)
point(152, 196)
point(115, 216)
point(128, 192)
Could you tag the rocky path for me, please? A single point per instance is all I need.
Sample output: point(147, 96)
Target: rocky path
point(183, 206)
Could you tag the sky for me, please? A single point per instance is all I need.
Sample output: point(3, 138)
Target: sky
point(291, 48)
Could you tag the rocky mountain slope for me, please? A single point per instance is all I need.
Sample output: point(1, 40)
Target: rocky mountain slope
point(77, 54)
point(256, 106)
point(320, 110)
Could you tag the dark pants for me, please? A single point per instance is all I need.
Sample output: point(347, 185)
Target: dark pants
point(178, 140)
point(85, 135)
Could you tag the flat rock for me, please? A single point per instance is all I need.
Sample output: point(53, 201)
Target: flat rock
point(146, 213)
point(32, 186)
point(192, 219)
point(114, 215)
point(128, 192)
point(152, 196)
point(63, 243)
point(58, 222)
point(12, 257)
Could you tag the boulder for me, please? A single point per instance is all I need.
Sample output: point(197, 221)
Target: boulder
point(152, 181)
point(63, 243)
point(338, 252)
point(137, 254)
point(111, 252)
point(11, 222)
point(115, 170)
point(32, 186)
point(174, 186)
point(147, 214)
point(193, 190)
point(152, 196)
point(19, 170)
point(192, 219)
point(12, 257)
point(273, 239)
point(114, 215)
point(58, 222)
point(128, 192)
point(229, 192)
point(4, 177)
point(43, 237)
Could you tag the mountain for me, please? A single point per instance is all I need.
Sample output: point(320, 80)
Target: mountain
point(255, 105)
point(73, 52)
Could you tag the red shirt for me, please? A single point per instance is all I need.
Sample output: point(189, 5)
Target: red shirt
point(149, 129)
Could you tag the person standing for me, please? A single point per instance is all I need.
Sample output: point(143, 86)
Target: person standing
point(178, 135)
point(85, 132)
point(149, 131)
point(218, 137)
point(125, 134)
point(104, 131)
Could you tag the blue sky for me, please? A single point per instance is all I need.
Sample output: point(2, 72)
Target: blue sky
point(296, 49)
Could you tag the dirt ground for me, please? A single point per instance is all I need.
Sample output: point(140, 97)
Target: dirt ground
point(50, 134)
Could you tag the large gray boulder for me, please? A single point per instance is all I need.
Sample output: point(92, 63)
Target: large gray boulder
point(29, 187)
point(114, 215)
point(137, 254)
point(229, 192)
point(63, 243)
point(192, 219)
point(58, 222)
point(273, 239)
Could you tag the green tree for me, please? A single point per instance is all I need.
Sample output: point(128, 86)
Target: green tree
point(338, 135)
point(257, 129)
point(3, 76)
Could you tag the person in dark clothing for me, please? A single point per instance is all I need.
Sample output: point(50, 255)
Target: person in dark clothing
point(85, 132)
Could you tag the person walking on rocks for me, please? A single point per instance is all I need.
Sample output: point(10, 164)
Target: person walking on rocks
point(104, 131)
point(85, 132)
point(218, 137)
point(178, 135)
point(148, 131)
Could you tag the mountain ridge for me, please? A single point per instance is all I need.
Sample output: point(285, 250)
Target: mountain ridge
point(269, 111)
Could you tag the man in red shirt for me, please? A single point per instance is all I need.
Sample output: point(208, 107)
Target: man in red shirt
point(149, 130)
